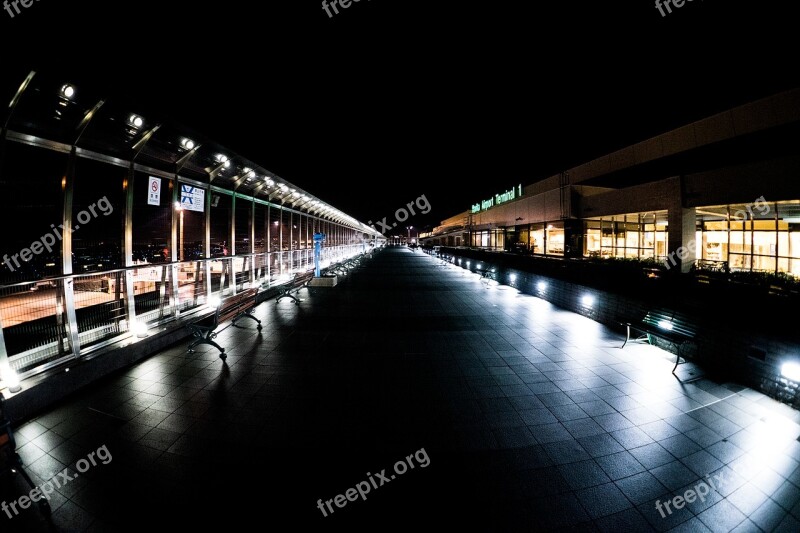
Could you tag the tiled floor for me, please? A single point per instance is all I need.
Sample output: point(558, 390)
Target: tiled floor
point(527, 417)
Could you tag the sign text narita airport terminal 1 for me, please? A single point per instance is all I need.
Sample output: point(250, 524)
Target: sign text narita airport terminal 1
point(497, 199)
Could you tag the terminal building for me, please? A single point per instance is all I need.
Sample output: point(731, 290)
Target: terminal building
point(719, 193)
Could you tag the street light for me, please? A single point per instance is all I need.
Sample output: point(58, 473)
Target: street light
point(409, 228)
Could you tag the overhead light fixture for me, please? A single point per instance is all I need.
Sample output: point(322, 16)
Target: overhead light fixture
point(587, 300)
point(136, 121)
point(68, 91)
point(223, 160)
point(187, 144)
point(541, 286)
point(665, 324)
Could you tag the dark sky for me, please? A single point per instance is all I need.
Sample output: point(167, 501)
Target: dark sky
point(391, 99)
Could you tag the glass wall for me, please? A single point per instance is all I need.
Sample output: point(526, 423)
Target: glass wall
point(758, 237)
point(47, 319)
point(632, 236)
point(493, 239)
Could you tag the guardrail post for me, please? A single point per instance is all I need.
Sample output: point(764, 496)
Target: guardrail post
point(3, 353)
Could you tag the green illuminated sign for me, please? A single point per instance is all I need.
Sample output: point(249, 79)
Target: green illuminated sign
point(497, 199)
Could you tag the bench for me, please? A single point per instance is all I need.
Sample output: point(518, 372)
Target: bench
point(232, 308)
point(298, 281)
point(487, 275)
point(666, 325)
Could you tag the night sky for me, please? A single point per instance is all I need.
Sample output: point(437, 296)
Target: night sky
point(390, 100)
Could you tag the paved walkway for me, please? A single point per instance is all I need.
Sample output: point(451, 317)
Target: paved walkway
point(439, 402)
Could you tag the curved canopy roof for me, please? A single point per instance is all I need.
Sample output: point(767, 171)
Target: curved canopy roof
point(59, 112)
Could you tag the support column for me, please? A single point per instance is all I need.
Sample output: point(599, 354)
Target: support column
point(207, 243)
point(66, 257)
point(280, 241)
point(175, 246)
point(253, 242)
point(130, 301)
point(681, 238)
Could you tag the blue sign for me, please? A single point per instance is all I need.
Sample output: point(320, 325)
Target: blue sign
point(192, 198)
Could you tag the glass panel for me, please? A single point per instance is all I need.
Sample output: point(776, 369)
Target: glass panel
point(152, 220)
point(243, 209)
point(765, 243)
point(763, 263)
point(34, 324)
point(537, 238)
point(739, 262)
point(191, 234)
point(794, 253)
point(220, 224)
point(97, 211)
point(260, 244)
point(31, 183)
point(555, 239)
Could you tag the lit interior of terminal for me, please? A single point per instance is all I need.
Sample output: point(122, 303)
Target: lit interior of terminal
point(584, 213)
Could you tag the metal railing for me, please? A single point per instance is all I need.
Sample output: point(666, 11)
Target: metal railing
point(47, 322)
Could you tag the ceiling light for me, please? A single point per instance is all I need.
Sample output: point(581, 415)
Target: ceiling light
point(136, 121)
